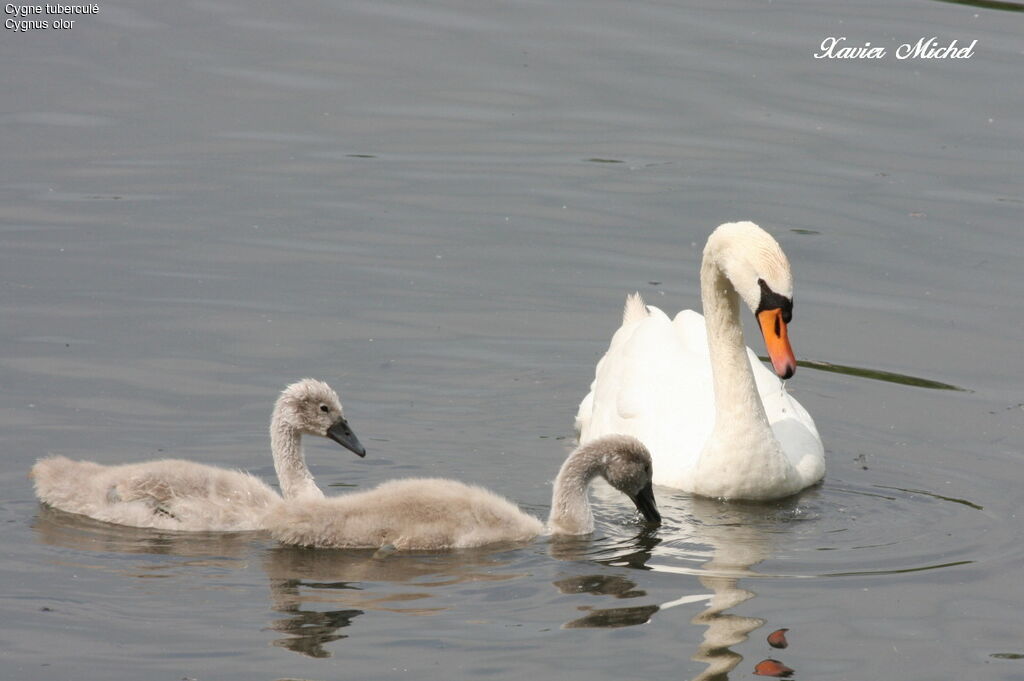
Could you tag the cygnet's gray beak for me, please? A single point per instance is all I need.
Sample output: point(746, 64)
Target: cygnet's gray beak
point(644, 501)
point(343, 435)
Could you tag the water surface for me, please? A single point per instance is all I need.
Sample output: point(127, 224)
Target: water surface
point(439, 208)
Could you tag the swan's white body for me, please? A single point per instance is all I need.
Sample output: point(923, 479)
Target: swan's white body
point(716, 421)
point(174, 494)
point(441, 514)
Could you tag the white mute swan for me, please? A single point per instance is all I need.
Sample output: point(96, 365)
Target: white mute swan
point(174, 494)
point(437, 514)
point(716, 421)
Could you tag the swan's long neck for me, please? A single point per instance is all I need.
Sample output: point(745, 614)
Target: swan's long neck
point(290, 463)
point(742, 455)
point(736, 394)
point(570, 506)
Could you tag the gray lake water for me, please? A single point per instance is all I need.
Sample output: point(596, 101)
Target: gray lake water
point(439, 207)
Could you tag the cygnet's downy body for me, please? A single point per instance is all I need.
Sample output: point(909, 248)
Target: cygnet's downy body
point(439, 514)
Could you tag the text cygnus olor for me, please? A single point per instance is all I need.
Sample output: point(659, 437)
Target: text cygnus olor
point(174, 494)
point(716, 421)
point(436, 513)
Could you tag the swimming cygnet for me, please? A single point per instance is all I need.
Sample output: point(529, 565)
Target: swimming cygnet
point(174, 494)
point(436, 513)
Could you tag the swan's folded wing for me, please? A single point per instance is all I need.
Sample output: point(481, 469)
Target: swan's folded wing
point(791, 423)
point(654, 383)
point(606, 371)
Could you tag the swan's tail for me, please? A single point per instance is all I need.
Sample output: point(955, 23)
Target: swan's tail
point(635, 309)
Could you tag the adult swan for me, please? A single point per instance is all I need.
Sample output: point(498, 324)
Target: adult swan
point(716, 421)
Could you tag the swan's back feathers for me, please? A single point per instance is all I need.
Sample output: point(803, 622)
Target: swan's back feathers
point(167, 494)
point(409, 514)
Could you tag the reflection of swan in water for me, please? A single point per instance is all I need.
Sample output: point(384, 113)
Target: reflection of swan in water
point(303, 581)
point(737, 537)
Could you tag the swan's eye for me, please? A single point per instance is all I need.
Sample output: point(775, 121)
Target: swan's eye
point(324, 408)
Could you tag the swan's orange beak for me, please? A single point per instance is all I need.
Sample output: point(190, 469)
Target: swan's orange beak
point(773, 328)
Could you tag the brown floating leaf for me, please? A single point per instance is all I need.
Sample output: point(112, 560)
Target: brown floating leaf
point(771, 667)
point(777, 639)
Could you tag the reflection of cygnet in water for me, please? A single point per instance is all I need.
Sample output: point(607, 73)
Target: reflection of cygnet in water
point(322, 592)
point(607, 618)
point(174, 494)
point(70, 530)
point(437, 514)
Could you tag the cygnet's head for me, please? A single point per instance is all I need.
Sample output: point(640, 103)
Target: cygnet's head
point(759, 271)
point(312, 407)
point(626, 465)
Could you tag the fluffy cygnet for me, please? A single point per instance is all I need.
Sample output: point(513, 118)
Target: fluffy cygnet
point(435, 513)
point(174, 494)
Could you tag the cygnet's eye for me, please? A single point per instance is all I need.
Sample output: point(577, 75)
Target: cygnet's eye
point(324, 408)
